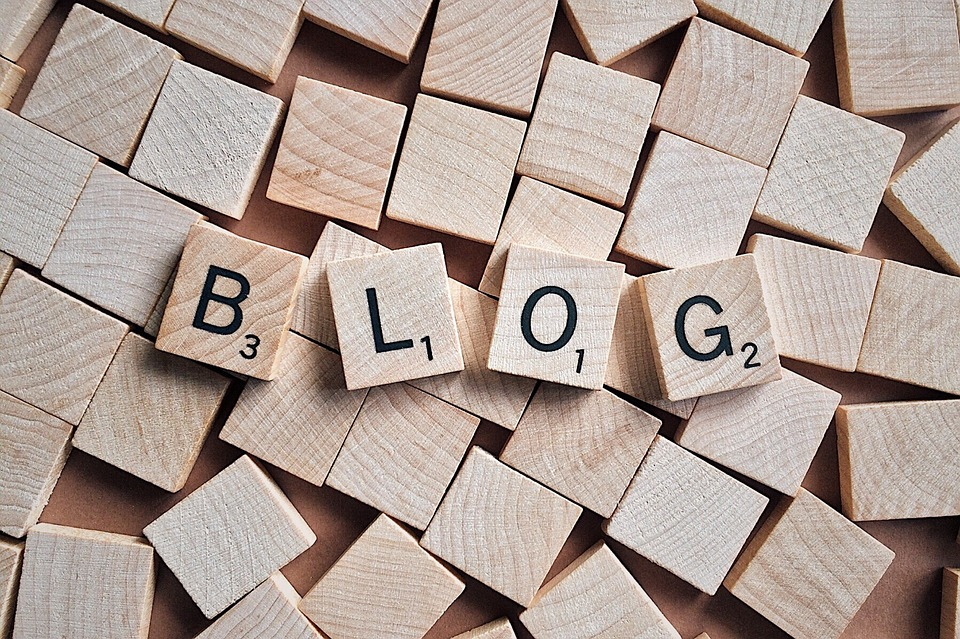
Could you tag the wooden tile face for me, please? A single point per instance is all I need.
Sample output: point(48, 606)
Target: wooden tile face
point(787, 24)
point(11, 558)
point(500, 527)
point(455, 169)
point(196, 538)
point(709, 95)
point(269, 611)
point(692, 205)
point(232, 302)
point(499, 629)
point(10, 77)
point(387, 26)
point(21, 21)
point(336, 152)
point(152, 13)
point(950, 608)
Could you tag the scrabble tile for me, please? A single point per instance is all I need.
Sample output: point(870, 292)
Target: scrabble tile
point(477, 57)
point(500, 527)
point(336, 152)
point(445, 143)
point(585, 445)
point(298, 421)
point(99, 84)
point(232, 302)
point(828, 175)
point(55, 360)
point(21, 21)
point(402, 452)
point(911, 337)
point(588, 128)
point(10, 77)
point(787, 24)
point(709, 95)
point(818, 300)
point(120, 245)
point(7, 266)
point(269, 611)
point(768, 433)
point(555, 317)
point(896, 58)
point(84, 584)
point(494, 396)
point(41, 176)
point(925, 195)
point(197, 538)
point(807, 552)
point(950, 608)
point(692, 205)
point(207, 139)
point(394, 316)
point(152, 13)
point(595, 597)
point(387, 26)
point(498, 629)
point(11, 557)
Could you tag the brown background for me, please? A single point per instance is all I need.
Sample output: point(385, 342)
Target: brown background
point(92, 494)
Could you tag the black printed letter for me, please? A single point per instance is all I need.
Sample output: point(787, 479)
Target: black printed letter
point(378, 343)
point(723, 346)
point(208, 296)
point(527, 315)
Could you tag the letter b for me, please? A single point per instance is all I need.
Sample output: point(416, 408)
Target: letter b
point(207, 296)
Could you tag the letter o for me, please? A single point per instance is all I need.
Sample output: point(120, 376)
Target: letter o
point(527, 315)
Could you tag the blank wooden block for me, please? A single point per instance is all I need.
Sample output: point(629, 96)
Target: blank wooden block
point(498, 629)
point(950, 607)
point(455, 169)
point(269, 611)
point(896, 58)
point(21, 21)
point(595, 597)
point(710, 94)
point(152, 13)
point(229, 535)
point(336, 152)
point(500, 527)
point(818, 300)
point(394, 316)
point(583, 444)
point(389, 26)
point(232, 302)
point(10, 77)
point(207, 139)
point(769, 432)
point(692, 205)
point(84, 584)
point(7, 266)
point(384, 585)
point(588, 128)
point(99, 84)
point(828, 175)
point(808, 569)
point(11, 557)
point(787, 24)
point(555, 317)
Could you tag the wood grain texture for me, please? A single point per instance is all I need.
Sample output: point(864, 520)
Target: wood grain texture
point(500, 527)
point(98, 85)
point(336, 152)
point(207, 139)
point(787, 24)
point(808, 569)
point(588, 128)
point(229, 535)
point(11, 558)
point(950, 606)
point(10, 77)
point(84, 584)
point(391, 27)
point(21, 21)
point(402, 452)
point(769, 432)
point(152, 327)
point(384, 585)
point(595, 597)
point(497, 629)
point(585, 445)
point(729, 92)
point(692, 205)
point(152, 13)
point(7, 266)
point(686, 516)
point(828, 175)
point(455, 169)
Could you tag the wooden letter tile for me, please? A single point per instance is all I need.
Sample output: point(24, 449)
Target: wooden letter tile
point(152, 13)
point(498, 629)
point(11, 558)
point(787, 24)
point(10, 77)
point(269, 611)
point(950, 608)
point(21, 21)
point(391, 27)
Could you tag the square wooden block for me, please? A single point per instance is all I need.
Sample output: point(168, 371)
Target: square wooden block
point(555, 317)
point(387, 26)
point(950, 608)
point(336, 152)
point(11, 558)
point(686, 516)
point(588, 128)
point(10, 78)
point(152, 13)
point(710, 94)
point(787, 24)
point(692, 205)
point(232, 302)
point(271, 610)
point(807, 552)
point(585, 445)
point(21, 21)
point(384, 585)
point(394, 316)
point(84, 584)
point(497, 629)
point(455, 169)
point(207, 139)
point(198, 538)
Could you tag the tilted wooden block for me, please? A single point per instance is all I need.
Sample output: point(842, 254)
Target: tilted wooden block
point(950, 606)
point(21, 19)
point(498, 629)
point(10, 77)
point(152, 327)
point(269, 611)
point(389, 26)
point(686, 516)
point(709, 95)
point(787, 24)
point(11, 558)
point(500, 527)
point(455, 169)
point(232, 302)
point(692, 205)
point(336, 152)
point(152, 13)
point(199, 539)
point(384, 585)
point(7, 266)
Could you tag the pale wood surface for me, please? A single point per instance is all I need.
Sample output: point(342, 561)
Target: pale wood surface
point(391, 27)
point(11, 557)
point(269, 611)
point(787, 24)
point(7, 266)
point(152, 327)
point(21, 19)
point(950, 607)
point(152, 13)
point(497, 629)
point(10, 77)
